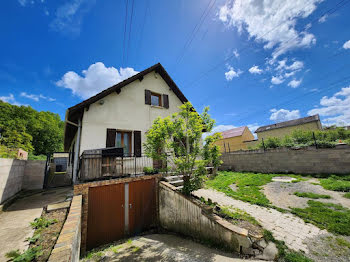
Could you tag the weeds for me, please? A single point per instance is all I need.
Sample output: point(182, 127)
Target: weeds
point(29, 255)
point(33, 239)
point(347, 195)
point(335, 183)
point(237, 214)
point(334, 218)
point(311, 195)
point(41, 222)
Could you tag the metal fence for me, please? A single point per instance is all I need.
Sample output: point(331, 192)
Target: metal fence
point(96, 165)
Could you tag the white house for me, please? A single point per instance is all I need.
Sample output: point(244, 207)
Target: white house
point(121, 115)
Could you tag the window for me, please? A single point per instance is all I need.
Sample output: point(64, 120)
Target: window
point(156, 99)
point(123, 139)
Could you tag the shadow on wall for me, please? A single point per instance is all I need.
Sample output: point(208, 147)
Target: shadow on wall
point(16, 175)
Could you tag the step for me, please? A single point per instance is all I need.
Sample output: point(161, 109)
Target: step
point(172, 178)
point(176, 183)
point(179, 187)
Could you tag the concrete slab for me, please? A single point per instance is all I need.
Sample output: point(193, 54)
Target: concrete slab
point(14, 222)
point(61, 205)
point(285, 179)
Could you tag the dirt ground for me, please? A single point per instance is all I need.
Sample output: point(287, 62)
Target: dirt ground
point(282, 194)
point(161, 247)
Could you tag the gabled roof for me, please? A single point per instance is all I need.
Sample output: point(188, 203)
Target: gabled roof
point(74, 112)
point(238, 131)
point(295, 122)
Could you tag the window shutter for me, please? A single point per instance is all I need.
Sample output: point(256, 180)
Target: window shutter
point(137, 143)
point(147, 97)
point(110, 141)
point(165, 101)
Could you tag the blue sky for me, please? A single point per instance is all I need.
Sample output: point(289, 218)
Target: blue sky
point(253, 62)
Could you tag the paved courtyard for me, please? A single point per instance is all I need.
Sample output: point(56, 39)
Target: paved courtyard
point(14, 222)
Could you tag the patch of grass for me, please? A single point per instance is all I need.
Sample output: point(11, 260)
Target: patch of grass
point(334, 218)
point(115, 249)
point(347, 195)
point(311, 195)
point(248, 186)
point(342, 242)
point(29, 255)
point(94, 255)
point(335, 183)
point(296, 257)
point(237, 214)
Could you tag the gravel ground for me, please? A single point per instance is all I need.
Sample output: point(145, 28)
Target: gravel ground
point(163, 247)
point(282, 194)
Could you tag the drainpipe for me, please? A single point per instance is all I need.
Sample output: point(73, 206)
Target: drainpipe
point(76, 153)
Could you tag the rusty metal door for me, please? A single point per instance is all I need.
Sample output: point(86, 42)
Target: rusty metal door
point(105, 215)
point(142, 205)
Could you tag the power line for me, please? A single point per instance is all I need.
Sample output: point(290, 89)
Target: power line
point(206, 73)
point(130, 30)
point(125, 26)
point(195, 31)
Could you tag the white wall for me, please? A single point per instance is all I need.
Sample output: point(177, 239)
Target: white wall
point(126, 111)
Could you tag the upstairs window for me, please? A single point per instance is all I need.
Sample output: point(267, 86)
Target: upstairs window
point(156, 99)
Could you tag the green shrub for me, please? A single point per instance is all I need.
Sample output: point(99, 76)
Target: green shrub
point(149, 170)
point(311, 195)
point(42, 222)
point(271, 142)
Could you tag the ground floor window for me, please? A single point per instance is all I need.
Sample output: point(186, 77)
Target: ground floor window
point(123, 139)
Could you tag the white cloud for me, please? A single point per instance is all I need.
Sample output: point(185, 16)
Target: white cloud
point(336, 108)
point(255, 70)
point(294, 83)
point(69, 16)
point(346, 45)
point(11, 100)
point(252, 128)
point(95, 79)
point(272, 22)
point(22, 2)
point(232, 73)
point(323, 19)
point(235, 52)
point(276, 80)
point(37, 97)
point(296, 65)
point(284, 115)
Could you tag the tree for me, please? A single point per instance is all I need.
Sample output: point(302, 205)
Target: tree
point(36, 132)
point(177, 141)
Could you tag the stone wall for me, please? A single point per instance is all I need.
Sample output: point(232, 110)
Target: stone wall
point(16, 175)
point(67, 247)
point(11, 177)
point(83, 189)
point(283, 160)
point(182, 215)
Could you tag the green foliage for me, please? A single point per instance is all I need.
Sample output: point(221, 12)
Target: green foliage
point(23, 127)
point(42, 222)
point(149, 170)
point(176, 140)
point(7, 152)
point(248, 186)
point(347, 195)
point(33, 239)
point(31, 156)
point(311, 195)
point(334, 183)
point(300, 138)
point(296, 257)
point(334, 218)
point(29, 255)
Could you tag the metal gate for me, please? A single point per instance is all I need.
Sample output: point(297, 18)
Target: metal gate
point(120, 210)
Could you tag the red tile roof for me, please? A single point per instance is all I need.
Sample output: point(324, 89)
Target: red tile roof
point(238, 131)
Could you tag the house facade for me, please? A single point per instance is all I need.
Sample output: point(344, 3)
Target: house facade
point(121, 115)
point(234, 139)
point(280, 130)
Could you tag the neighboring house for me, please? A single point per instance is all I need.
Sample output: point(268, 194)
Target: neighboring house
point(233, 139)
point(121, 115)
point(282, 129)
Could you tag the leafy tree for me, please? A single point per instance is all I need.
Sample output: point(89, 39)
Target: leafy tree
point(177, 141)
point(36, 132)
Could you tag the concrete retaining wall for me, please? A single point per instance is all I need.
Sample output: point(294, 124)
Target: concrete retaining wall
point(11, 177)
point(67, 247)
point(182, 215)
point(16, 175)
point(283, 160)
